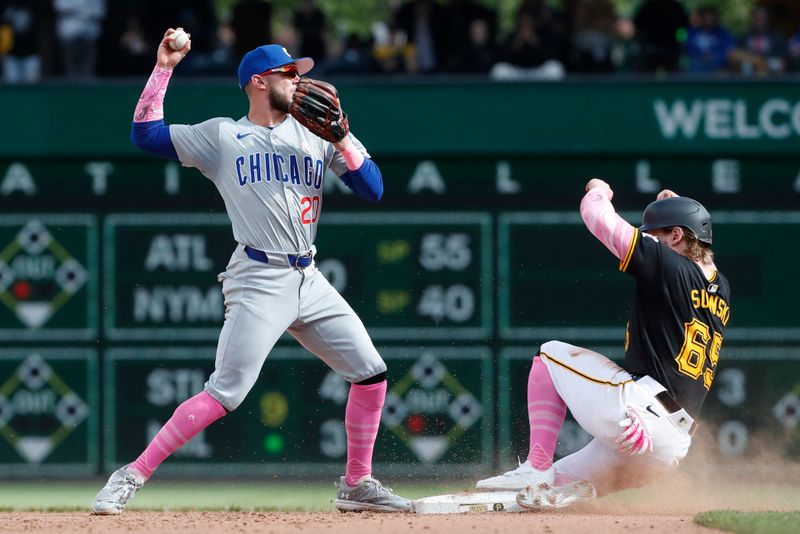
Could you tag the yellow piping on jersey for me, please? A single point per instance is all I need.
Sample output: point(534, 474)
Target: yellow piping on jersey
point(713, 277)
point(583, 375)
point(623, 264)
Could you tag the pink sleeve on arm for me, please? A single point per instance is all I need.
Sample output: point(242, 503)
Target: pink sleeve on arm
point(151, 103)
point(604, 223)
point(353, 158)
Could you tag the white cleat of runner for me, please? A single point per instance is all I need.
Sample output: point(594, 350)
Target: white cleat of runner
point(546, 497)
point(523, 476)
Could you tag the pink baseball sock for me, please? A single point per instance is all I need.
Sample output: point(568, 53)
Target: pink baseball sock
point(546, 412)
point(362, 418)
point(189, 419)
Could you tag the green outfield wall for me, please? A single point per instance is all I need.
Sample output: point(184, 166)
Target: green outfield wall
point(110, 309)
point(444, 119)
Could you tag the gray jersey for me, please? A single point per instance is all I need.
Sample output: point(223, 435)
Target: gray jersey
point(270, 178)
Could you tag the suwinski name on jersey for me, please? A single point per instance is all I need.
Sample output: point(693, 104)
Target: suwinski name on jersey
point(274, 167)
point(713, 303)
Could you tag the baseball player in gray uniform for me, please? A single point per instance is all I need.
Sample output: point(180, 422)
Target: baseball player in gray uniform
point(269, 170)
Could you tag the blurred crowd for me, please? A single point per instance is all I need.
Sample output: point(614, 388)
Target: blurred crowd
point(83, 39)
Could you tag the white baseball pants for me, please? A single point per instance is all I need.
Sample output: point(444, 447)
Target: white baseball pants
point(598, 392)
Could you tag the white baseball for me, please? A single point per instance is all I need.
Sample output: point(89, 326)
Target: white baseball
point(178, 40)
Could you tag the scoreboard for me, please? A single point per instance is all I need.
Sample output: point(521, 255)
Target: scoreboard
point(110, 306)
point(49, 412)
point(409, 275)
point(456, 296)
point(48, 277)
point(438, 416)
point(747, 246)
point(441, 183)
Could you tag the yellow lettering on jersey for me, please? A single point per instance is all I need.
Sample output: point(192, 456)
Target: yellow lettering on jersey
point(713, 303)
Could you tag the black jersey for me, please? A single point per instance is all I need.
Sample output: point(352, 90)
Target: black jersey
point(677, 320)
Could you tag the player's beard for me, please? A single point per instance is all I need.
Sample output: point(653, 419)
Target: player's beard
point(279, 101)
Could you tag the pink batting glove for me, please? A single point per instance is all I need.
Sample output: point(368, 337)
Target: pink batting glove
point(666, 193)
point(634, 439)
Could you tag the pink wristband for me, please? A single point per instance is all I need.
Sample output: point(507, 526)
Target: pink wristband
point(353, 158)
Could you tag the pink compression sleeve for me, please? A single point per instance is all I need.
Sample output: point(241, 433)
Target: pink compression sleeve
point(603, 222)
point(151, 103)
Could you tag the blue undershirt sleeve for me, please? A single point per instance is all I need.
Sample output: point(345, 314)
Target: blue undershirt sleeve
point(366, 181)
point(153, 137)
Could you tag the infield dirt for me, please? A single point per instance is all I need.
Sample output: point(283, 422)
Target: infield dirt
point(335, 523)
point(666, 507)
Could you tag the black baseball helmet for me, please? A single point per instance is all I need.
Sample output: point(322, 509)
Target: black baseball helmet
point(678, 211)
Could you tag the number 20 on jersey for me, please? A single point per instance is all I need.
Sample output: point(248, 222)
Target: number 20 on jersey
point(310, 209)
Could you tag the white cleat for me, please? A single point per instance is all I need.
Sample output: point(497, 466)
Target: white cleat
point(523, 476)
point(545, 496)
point(118, 491)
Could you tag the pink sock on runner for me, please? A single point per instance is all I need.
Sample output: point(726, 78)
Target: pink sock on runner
point(362, 418)
point(546, 412)
point(189, 419)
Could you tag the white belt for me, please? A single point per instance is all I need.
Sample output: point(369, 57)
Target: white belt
point(675, 412)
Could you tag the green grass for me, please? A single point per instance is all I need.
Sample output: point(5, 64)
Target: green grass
point(196, 495)
point(751, 522)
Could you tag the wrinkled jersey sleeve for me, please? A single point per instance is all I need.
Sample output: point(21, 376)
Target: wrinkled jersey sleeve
point(197, 145)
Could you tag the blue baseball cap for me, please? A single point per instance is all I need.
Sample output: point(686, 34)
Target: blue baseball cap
point(269, 57)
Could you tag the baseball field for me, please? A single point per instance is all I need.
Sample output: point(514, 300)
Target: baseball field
point(742, 498)
point(148, 268)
